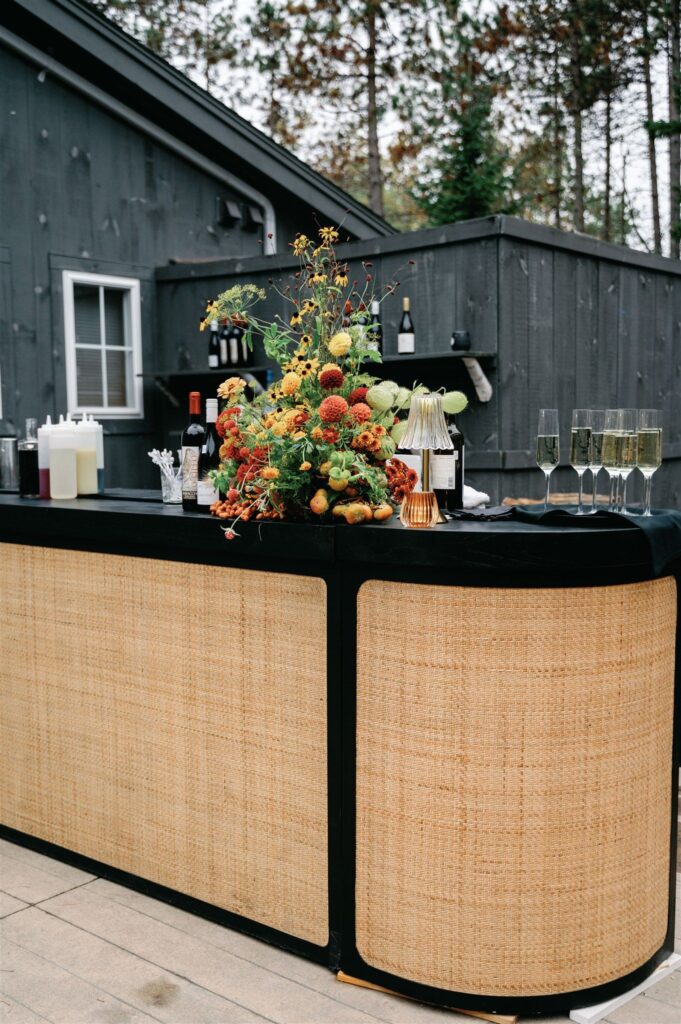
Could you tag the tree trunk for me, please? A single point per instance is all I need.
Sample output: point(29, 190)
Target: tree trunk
point(375, 173)
point(607, 229)
point(576, 113)
point(652, 153)
point(675, 136)
point(579, 170)
point(557, 151)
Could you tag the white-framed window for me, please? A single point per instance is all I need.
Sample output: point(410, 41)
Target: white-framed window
point(103, 339)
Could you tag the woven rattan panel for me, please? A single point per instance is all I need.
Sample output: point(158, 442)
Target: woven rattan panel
point(170, 720)
point(513, 783)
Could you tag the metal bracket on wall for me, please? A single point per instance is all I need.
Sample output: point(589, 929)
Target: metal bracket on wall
point(162, 385)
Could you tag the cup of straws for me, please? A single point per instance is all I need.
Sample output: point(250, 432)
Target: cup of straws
point(171, 475)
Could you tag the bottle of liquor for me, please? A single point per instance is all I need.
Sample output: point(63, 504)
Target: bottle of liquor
point(224, 345)
point(405, 337)
point(209, 459)
point(446, 471)
point(29, 483)
point(213, 347)
point(234, 347)
point(240, 335)
point(375, 333)
point(193, 437)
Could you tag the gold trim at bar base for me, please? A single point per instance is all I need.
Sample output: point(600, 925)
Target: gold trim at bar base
point(169, 720)
point(513, 783)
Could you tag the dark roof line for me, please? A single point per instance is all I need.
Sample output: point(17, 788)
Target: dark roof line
point(91, 20)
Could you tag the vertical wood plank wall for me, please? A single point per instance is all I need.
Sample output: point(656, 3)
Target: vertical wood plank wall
point(574, 323)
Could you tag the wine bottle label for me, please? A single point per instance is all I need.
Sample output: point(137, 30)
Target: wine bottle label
point(213, 361)
point(190, 472)
point(206, 493)
point(405, 343)
point(443, 471)
point(224, 357)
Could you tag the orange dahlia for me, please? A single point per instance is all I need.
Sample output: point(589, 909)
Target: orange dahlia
point(333, 409)
point(360, 412)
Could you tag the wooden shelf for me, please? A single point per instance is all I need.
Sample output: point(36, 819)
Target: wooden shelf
point(224, 371)
point(432, 356)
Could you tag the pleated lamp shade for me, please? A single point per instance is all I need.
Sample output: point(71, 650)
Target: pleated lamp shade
point(426, 426)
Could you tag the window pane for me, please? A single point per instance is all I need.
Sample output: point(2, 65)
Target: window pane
point(86, 308)
point(89, 376)
point(114, 316)
point(118, 370)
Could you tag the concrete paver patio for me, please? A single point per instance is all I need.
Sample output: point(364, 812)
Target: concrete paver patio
point(77, 949)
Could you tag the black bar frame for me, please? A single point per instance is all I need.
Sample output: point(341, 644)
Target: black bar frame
point(343, 576)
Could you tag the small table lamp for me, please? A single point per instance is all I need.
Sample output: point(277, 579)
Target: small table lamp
point(426, 430)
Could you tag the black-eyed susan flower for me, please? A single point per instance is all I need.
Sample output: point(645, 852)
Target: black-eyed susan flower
point(328, 235)
point(296, 320)
point(341, 279)
point(300, 244)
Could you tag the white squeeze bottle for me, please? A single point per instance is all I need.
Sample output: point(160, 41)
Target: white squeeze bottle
point(86, 457)
point(44, 457)
point(63, 476)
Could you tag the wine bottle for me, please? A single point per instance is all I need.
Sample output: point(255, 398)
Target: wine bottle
point(206, 492)
point(224, 345)
point(405, 337)
point(447, 469)
point(193, 437)
point(213, 347)
point(375, 333)
point(233, 339)
point(239, 334)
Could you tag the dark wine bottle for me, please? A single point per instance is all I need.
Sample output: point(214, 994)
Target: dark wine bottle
point(240, 335)
point(375, 332)
point(446, 471)
point(214, 347)
point(193, 437)
point(224, 345)
point(405, 337)
point(206, 492)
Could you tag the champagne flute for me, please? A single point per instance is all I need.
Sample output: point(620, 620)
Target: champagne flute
point(611, 451)
point(580, 449)
point(596, 464)
point(648, 450)
point(548, 450)
point(628, 427)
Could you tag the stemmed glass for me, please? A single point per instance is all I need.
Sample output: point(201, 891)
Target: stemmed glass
point(580, 449)
point(649, 450)
point(628, 427)
point(548, 450)
point(611, 452)
point(596, 463)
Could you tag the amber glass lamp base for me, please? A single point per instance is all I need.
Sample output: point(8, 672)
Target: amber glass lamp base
point(420, 510)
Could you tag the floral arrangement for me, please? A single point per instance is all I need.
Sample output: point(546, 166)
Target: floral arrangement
point(320, 442)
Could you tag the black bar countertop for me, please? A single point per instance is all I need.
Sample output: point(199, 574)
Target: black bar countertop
point(509, 550)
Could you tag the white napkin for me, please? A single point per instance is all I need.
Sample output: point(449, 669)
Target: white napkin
point(473, 498)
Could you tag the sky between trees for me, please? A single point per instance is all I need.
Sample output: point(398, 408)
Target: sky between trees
point(565, 112)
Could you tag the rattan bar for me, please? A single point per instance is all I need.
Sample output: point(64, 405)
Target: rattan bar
point(441, 761)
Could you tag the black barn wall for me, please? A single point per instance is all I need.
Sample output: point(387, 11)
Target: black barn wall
point(82, 189)
point(572, 323)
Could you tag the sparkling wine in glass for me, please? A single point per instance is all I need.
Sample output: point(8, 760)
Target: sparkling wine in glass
point(596, 463)
point(548, 447)
point(629, 429)
point(580, 449)
point(611, 451)
point(648, 450)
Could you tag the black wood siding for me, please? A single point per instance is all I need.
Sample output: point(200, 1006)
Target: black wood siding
point(573, 323)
